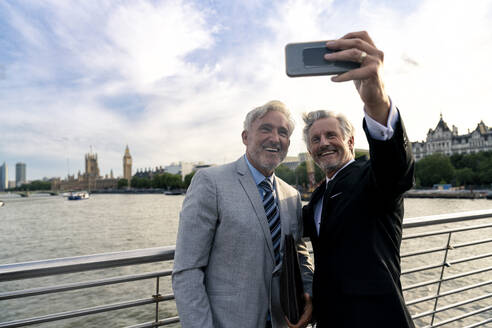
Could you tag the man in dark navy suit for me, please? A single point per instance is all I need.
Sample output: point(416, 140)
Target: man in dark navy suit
point(354, 218)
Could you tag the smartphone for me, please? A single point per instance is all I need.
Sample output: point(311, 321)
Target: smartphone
point(306, 59)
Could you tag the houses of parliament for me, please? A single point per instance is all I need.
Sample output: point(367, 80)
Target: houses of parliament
point(91, 179)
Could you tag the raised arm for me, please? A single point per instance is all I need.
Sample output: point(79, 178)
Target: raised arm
point(359, 47)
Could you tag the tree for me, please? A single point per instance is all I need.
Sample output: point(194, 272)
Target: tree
point(158, 181)
point(478, 165)
point(187, 179)
point(286, 174)
point(140, 183)
point(301, 174)
point(173, 181)
point(434, 169)
point(34, 185)
point(465, 176)
point(362, 152)
point(122, 183)
point(485, 171)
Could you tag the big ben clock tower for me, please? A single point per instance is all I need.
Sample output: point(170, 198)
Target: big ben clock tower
point(127, 166)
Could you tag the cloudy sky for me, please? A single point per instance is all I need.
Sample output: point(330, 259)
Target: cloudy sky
point(174, 79)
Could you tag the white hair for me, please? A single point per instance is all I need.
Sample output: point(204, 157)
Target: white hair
point(261, 111)
point(346, 127)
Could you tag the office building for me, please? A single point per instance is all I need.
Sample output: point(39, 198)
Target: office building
point(4, 177)
point(20, 174)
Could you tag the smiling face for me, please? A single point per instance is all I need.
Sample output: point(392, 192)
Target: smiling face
point(328, 147)
point(267, 141)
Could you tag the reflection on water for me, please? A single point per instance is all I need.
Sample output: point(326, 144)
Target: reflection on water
point(38, 228)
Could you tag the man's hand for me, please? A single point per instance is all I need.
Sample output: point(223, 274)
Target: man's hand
point(306, 316)
point(359, 47)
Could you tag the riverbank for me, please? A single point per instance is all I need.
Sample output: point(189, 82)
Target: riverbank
point(132, 191)
point(433, 193)
point(141, 191)
point(458, 194)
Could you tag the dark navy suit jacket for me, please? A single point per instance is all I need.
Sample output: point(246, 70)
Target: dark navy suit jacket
point(357, 253)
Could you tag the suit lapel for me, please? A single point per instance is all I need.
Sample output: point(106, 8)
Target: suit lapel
point(308, 212)
point(284, 211)
point(317, 193)
point(330, 222)
point(247, 182)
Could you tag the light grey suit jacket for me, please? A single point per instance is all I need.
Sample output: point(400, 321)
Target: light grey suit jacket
point(224, 269)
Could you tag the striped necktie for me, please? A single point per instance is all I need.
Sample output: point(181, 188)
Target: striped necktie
point(273, 217)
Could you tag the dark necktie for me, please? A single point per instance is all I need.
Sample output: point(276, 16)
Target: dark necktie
point(325, 205)
point(273, 217)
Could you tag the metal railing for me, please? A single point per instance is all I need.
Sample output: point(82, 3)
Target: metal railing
point(446, 248)
point(30, 270)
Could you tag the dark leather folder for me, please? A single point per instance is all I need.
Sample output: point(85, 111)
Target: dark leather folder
point(291, 287)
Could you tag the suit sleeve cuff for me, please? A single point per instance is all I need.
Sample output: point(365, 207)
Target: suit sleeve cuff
point(377, 130)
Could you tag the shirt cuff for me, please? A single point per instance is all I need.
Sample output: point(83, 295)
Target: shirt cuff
point(379, 131)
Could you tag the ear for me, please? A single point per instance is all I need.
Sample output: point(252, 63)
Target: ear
point(309, 150)
point(244, 135)
point(351, 144)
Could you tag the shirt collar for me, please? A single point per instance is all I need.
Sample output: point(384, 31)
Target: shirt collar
point(334, 175)
point(257, 175)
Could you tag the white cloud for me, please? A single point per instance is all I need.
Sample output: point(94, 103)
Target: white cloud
point(137, 73)
point(152, 40)
point(127, 50)
point(450, 41)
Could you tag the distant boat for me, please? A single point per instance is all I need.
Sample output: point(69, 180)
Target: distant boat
point(171, 193)
point(78, 195)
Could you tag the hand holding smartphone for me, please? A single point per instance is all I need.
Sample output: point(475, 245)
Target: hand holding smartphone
point(307, 59)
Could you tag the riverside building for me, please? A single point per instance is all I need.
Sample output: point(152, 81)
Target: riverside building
point(443, 140)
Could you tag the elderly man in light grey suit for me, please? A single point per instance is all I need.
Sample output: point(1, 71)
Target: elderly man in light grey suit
point(228, 250)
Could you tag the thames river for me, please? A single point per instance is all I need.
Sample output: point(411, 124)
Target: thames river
point(46, 227)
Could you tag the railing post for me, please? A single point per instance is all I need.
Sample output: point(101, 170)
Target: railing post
point(445, 264)
point(156, 297)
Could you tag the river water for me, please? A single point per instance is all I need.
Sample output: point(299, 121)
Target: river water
point(45, 227)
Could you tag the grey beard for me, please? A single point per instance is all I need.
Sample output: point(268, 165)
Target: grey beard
point(330, 167)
